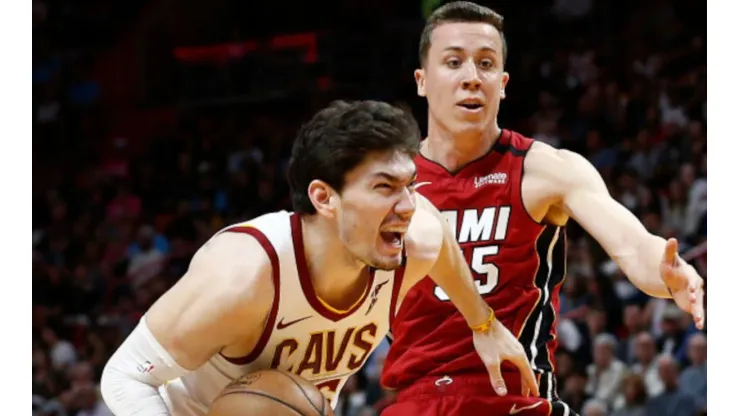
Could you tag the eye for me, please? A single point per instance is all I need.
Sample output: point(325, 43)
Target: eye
point(383, 186)
point(453, 63)
point(486, 64)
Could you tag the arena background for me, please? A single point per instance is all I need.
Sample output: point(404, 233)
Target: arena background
point(158, 122)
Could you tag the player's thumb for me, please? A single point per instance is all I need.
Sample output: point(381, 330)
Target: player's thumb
point(497, 379)
point(671, 250)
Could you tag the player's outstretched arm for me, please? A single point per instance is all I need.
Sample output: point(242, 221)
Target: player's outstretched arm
point(431, 238)
point(226, 292)
point(649, 261)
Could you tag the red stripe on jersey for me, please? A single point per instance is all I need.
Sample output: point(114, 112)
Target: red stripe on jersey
point(305, 277)
point(267, 331)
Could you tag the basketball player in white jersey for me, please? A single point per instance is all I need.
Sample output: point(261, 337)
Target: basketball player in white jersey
point(310, 292)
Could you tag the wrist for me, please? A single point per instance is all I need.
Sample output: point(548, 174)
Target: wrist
point(485, 324)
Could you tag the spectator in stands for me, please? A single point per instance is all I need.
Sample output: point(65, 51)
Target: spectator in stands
point(573, 391)
point(62, 352)
point(632, 401)
point(647, 364)
point(632, 320)
point(674, 333)
point(672, 402)
point(606, 374)
point(146, 258)
point(693, 380)
point(594, 407)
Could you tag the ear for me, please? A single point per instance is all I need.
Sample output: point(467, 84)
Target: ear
point(504, 82)
point(322, 197)
point(421, 90)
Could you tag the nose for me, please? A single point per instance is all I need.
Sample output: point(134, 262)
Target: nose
point(470, 76)
point(406, 206)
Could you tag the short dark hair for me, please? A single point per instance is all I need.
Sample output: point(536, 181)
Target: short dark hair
point(339, 138)
point(460, 12)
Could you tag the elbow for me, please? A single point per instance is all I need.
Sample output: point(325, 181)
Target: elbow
point(110, 378)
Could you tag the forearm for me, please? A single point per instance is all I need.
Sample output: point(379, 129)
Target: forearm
point(125, 395)
point(132, 376)
point(452, 274)
point(637, 252)
point(641, 265)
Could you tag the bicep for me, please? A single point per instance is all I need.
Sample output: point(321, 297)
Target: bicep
point(226, 282)
point(586, 199)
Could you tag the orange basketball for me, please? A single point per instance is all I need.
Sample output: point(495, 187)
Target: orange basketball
point(270, 392)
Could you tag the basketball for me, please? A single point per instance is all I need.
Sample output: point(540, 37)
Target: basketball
point(270, 392)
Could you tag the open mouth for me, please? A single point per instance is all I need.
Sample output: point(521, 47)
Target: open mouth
point(471, 104)
point(392, 238)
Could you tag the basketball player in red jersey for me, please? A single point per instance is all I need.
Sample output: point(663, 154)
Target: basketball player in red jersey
point(507, 198)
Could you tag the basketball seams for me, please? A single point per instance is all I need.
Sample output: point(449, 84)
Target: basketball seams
point(323, 402)
point(267, 396)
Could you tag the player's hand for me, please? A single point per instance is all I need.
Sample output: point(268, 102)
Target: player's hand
point(683, 282)
point(498, 345)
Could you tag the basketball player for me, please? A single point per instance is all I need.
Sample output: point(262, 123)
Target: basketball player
point(310, 292)
point(507, 199)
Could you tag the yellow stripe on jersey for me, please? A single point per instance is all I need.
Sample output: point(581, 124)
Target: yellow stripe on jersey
point(339, 311)
point(241, 224)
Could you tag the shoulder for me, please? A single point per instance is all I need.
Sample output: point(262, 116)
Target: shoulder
point(237, 262)
point(543, 157)
point(518, 142)
point(228, 282)
point(560, 169)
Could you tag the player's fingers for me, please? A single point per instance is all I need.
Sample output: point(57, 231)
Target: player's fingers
point(698, 310)
point(699, 320)
point(531, 381)
point(696, 292)
point(497, 379)
point(525, 387)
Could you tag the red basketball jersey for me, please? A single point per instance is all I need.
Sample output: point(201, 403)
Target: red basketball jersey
point(519, 265)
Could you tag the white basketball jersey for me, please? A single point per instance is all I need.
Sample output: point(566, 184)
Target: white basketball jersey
point(303, 334)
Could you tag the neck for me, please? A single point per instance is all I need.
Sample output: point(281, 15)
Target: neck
point(334, 272)
point(453, 151)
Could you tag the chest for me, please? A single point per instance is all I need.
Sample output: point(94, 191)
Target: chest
point(311, 339)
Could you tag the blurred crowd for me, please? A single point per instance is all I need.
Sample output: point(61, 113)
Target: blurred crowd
point(114, 225)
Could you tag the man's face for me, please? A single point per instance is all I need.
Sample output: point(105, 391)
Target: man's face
point(698, 350)
point(463, 78)
point(603, 355)
point(376, 206)
point(632, 317)
point(645, 348)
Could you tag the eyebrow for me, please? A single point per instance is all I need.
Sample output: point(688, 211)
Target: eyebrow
point(461, 49)
point(393, 178)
